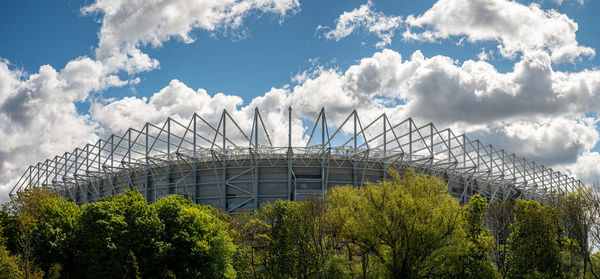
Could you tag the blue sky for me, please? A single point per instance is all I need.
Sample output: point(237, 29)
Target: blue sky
point(267, 52)
point(44, 32)
point(269, 56)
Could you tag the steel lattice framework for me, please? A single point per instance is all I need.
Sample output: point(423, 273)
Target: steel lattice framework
point(228, 167)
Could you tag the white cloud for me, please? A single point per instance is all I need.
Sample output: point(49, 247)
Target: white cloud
point(532, 110)
point(485, 54)
point(549, 140)
point(517, 28)
point(586, 168)
point(475, 92)
point(176, 100)
point(523, 111)
point(180, 102)
point(560, 2)
point(38, 118)
point(364, 17)
point(129, 24)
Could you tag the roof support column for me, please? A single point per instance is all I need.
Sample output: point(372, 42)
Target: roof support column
point(290, 153)
point(354, 155)
point(224, 162)
point(195, 164)
point(255, 184)
point(323, 123)
point(385, 167)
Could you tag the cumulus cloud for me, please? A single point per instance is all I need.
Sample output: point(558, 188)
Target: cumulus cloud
point(128, 24)
point(37, 111)
point(180, 102)
point(485, 54)
point(475, 92)
point(38, 118)
point(517, 28)
point(176, 100)
point(522, 111)
point(560, 2)
point(439, 89)
point(586, 168)
point(552, 140)
point(364, 17)
point(532, 110)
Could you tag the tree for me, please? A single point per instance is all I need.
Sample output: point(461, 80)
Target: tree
point(118, 236)
point(286, 239)
point(43, 227)
point(595, 262)
point(9, 264)
point(339, 217)
point(284, 252)
point(410, 225)
point(250, 234)
point(196, 243)
point(578, 214)
point(55, 238)
point(499, 218)
point(535, 242)
point(476, 264)
point(26, 211)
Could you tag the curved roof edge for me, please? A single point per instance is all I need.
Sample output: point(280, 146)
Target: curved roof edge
point(383, 139)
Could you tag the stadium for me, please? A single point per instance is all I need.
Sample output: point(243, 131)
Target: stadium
point(232, 167)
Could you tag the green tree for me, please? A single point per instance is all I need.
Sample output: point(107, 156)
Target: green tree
point(196, 243)
point(55, 238)
point(26, 211)
point(476, 263)
point(595, 262)
point(336, 266)
point(250, 234)
point(340, 226)
point(499, 218)
point(410, 225)
point(577, 211)
point(9, 264)
point(284, 251)
point(288, 239)
point(535, 243)
point(118, 236)
point(43, 225)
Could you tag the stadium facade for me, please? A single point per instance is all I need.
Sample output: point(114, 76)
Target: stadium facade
point(229, 167)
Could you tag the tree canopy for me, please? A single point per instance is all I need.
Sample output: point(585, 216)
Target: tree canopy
point(407, 226)
point(536, 242)
point(410, 225)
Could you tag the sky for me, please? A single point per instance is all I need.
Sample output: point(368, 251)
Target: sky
point(521, 75)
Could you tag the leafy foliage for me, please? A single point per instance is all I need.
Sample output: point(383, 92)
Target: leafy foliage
point(536, 242)
point(29, 213)
point(287, 240)
point(410, 225)
point(476, 263)
point(55, 235)
point(578, 215)
point(118, 233)
point(196, 244)
point(499, 218)
point(404, 227)
point(9, 264)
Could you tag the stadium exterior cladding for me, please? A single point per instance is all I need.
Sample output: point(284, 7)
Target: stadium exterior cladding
point(223, 165)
